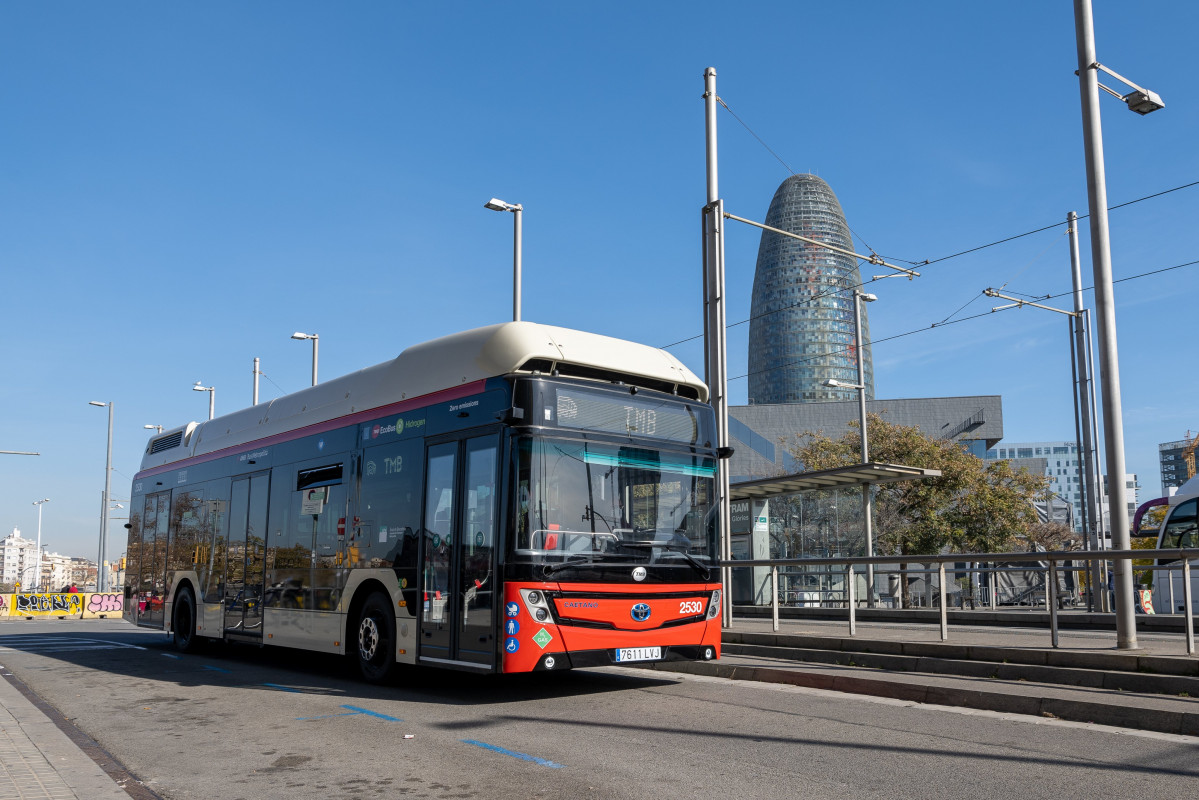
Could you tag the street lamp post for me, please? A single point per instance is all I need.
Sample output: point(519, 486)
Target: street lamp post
point(100, 586)
point(860, 297)
point(39, 504)
point(1141, 101)
point(315, 346)
point(200, 387)
point(495, 204)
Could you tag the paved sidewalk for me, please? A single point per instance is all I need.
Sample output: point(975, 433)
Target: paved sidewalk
point(1150, 645)
point(40, 762)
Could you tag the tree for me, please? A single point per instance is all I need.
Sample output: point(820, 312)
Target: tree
point(1051, 536)
point(973, 507)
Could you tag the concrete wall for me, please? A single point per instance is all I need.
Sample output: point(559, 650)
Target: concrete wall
point(74, 606)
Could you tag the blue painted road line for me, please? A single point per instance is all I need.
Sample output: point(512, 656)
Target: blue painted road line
point(358, 710)
point(522, 756)
point(353, 711)
point(215, 669)
point(282, 688)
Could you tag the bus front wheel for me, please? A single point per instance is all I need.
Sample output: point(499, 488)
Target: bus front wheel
point(375, 639)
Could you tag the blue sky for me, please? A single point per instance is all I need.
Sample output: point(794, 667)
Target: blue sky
point(185, 185)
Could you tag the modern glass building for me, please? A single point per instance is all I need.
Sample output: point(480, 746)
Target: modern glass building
point(801, 331)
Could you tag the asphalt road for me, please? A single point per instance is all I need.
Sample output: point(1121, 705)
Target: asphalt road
point(238, 722)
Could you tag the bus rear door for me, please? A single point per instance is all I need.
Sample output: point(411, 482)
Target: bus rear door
point(244, 565)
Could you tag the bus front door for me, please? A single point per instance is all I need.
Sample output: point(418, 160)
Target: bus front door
point(458, 563)
point(244, 565)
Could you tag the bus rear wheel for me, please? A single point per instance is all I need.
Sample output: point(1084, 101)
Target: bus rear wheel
point(183, 622)
point(375, 639)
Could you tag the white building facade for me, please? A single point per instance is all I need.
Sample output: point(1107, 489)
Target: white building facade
point(1061, 467)
point(18, 559)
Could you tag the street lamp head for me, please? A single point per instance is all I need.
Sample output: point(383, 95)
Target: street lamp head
point(95, 403)
point(833, 384)
point(200, 387)
point(866, 296)
point(495, 204)
point(39, 502)
point(302, 336)
point(1143, 101)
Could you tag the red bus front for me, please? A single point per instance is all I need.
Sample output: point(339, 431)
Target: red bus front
point(613, 560)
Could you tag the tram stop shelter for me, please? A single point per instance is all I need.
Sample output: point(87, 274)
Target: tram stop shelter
point(759, 531)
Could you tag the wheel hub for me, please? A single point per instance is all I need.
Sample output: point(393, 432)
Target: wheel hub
point(368, 638)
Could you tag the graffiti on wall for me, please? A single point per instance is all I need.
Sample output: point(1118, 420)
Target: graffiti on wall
point(47, 605)
point(85, 606)
point(103, 604)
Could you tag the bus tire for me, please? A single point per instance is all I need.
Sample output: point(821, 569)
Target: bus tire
point(374, 639)
point(183, 622)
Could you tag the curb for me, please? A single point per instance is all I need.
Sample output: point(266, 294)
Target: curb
point(1122, 716)
point(1180, 665)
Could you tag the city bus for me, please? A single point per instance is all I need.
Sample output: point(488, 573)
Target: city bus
point(513, 498)
point(1180, 529)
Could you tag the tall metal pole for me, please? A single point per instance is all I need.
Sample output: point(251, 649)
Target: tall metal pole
point(1105, 309)
point(867, 499)
point(1101, 526)
point(516, 248)
point(256, 381)
point(39, 504)
point(211, 403)
point(1084, 397)
point(101, 582)
point(316, 343)
point(716, 362)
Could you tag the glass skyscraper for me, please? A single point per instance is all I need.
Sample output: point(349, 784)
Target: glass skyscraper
point(801, 331)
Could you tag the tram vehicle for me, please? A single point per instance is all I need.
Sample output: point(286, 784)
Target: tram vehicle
point(1180, 529)
point(513, 498)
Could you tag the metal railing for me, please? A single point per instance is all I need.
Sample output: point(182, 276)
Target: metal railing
point(1178, 559)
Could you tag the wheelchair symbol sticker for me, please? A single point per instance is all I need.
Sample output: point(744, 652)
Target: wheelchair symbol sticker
point(511, 645)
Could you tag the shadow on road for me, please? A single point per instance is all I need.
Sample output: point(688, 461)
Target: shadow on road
point(119, 649)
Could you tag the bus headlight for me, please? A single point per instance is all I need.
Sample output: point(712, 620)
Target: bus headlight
point(714, 604)
point(538, 605)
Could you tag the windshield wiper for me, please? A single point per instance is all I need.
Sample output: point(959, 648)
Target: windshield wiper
point(674, 548)
point(575, 563)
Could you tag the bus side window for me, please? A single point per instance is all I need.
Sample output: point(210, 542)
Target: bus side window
point(1180, 530)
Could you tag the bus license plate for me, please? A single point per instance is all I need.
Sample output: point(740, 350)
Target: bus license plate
point(638, 653)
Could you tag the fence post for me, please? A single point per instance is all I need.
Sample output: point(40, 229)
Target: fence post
point(1170, 584)
point(1053, 602)
point(944, 610)
point(774, 595)
point(994, 584)
point(1188, 615)
point(853, 622)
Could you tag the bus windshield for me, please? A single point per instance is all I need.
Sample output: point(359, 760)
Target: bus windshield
point(583, 502)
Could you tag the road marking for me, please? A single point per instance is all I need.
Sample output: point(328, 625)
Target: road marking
point(215, 669)
point(57, 644)
point(969, 712)
point(282, 688)
point(169, 655)
point(353, 711)
point(522, 756)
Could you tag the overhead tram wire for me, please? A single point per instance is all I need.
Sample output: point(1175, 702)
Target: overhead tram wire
point(785, 166)
point(928, 262)
point(956, 321)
